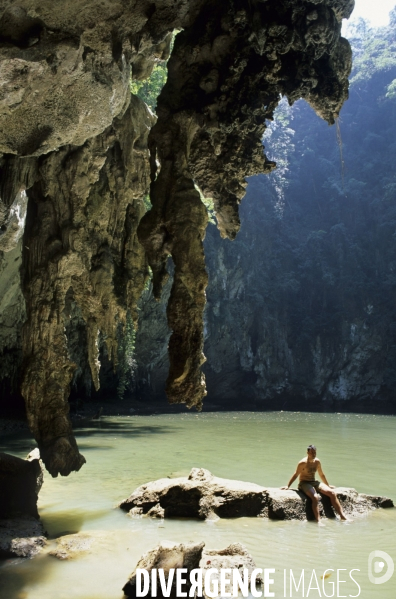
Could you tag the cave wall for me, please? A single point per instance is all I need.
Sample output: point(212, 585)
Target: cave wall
point(12, 317)
point(83, 151)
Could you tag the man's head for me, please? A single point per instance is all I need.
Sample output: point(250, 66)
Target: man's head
point(311, 451)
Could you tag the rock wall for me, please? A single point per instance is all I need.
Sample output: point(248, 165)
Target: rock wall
point(12, 317)
point(74, 143)
point(273, 348)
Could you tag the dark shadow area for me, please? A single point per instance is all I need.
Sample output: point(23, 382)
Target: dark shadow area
point(122, 429)
point(239, 507)
point(325, 507)
point(20, 442)
point(12, 404)
point(181, 502)
point(64, 522)
point(13, 585)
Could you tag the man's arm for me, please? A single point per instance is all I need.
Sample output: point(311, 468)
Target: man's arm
point(322, 475)
point(293, 478)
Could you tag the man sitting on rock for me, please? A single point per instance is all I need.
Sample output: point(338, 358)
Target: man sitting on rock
point(306, 470)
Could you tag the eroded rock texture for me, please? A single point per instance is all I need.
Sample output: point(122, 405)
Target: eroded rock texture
point(205, 496)
point(75, 145)
point(168, 555)
point(21, 537)
point(226, 74)
point(81, 235)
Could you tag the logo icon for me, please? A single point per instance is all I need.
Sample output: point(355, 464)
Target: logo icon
point(376, 564)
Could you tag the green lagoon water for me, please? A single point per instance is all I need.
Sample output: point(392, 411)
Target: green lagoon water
point(123, 452)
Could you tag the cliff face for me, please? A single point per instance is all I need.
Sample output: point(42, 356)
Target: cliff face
point(262, 346)
point(74, 146)
point(300, 307)
point(280, 348)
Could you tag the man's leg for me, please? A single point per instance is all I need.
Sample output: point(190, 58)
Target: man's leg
point(333, 498)
point(310, 491)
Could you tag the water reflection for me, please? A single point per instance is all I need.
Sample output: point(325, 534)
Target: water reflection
point(127, 426)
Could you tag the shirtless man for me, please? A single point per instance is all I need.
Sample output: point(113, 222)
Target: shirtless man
point(306, 470)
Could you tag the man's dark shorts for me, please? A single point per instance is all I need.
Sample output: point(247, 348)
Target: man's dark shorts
point(306, 486)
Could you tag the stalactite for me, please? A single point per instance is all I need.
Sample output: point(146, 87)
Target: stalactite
point(73, 145)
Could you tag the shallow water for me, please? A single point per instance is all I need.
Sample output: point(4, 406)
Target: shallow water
point(124, 452)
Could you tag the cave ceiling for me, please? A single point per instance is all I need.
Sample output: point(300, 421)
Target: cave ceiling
point(79, 152)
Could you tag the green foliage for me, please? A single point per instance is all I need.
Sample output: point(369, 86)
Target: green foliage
point(147, 202)
point(391, 90)
point(126, 356)
point(374, 50)
point(209, 205)
point(147, 284)
point(149, 89)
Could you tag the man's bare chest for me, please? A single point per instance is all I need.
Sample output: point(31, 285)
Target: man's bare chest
point(309, 469)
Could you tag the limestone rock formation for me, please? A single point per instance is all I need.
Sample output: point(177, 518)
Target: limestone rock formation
point(169, 555)
point(83, 250)
point(225, 77)
point(21, 532)
point(204, 496)
point(74, 145)
point(12, 317)
point(165, 556)
point(21, 537)
point(233, 557)
point(20, 483)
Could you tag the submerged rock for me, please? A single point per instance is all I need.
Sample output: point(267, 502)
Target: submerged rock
point(21, 537)
point(71, 546)
point(169, 555)
point(79, 544)
point(202, 495)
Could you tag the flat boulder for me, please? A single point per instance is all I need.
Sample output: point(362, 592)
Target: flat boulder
point(203, 495)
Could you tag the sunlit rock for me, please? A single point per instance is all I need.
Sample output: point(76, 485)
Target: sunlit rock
point(202, 495)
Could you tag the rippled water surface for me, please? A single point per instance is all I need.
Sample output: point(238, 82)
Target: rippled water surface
point(124, 452)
